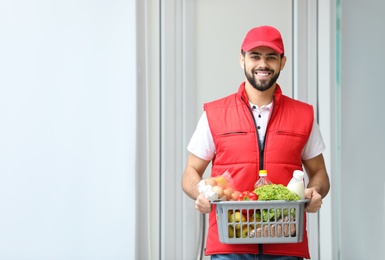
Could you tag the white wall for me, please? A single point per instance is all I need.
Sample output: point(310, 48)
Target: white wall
point(362, 130)
point(67, 148)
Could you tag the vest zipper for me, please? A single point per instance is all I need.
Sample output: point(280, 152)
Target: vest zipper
point(267, 126)
point(261, 146)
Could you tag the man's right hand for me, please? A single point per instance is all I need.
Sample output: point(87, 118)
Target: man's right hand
point(202, 204)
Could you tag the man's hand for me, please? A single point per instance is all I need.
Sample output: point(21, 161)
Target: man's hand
point(202, 204)
point(315, 200)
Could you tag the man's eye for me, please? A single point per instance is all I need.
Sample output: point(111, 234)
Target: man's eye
point(255, 57)
point(272, 58)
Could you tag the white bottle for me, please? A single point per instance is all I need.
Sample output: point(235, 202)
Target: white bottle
point(296, 184)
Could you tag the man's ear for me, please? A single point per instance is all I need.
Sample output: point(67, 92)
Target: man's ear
point(283, 62)
point(242, 61)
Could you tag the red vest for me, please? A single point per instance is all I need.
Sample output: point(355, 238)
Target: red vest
point(233, 128)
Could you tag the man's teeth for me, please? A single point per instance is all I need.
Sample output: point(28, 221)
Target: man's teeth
point(262, 73)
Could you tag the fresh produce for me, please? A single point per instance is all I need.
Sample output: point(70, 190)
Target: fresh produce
point(275, 192)
point(247, 195)
point(231, 231)
point(237, 217)
point(221, 181)
point(274, 214)
point(244, 222)
point(218, 187)
point(274, 230)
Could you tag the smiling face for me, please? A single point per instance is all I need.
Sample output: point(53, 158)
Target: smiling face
point(262, 66)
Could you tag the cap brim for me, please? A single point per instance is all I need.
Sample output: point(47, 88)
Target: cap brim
point(250, 46)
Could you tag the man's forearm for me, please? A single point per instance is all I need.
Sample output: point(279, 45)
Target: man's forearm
point(190, 182)
point(320, 182)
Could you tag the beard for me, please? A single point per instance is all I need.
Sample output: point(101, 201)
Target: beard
point(262, 85)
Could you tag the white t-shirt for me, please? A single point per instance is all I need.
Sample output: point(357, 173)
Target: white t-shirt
point(202, 143)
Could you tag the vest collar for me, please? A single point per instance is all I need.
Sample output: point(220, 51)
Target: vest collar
point(243, 95)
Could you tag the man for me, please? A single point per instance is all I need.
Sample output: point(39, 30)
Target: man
point(257, 128)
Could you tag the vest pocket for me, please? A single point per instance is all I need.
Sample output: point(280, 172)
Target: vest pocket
point(231, 146)
point(290, 133)
point(232, 133)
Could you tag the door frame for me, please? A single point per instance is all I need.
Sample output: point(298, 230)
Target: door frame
point(168, 73)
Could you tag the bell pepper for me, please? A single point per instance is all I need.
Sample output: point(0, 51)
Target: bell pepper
point(247, 195)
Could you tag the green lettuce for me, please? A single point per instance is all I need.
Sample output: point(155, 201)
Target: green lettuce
point(273, 214)
point(275, 192)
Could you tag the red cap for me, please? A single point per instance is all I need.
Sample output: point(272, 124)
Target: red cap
point(263, 36)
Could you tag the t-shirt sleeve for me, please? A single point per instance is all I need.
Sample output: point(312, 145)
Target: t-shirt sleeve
point(315, 144)
point(201, 143)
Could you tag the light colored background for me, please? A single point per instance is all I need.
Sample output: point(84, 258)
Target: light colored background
point(93, 130)
point(362, 135)
point(67, 145)
point(219, 36)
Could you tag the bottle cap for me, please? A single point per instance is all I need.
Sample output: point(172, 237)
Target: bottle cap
point(298, 174)
point(262, 172)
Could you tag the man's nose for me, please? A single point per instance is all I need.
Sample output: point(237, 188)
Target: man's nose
point(263, 63)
